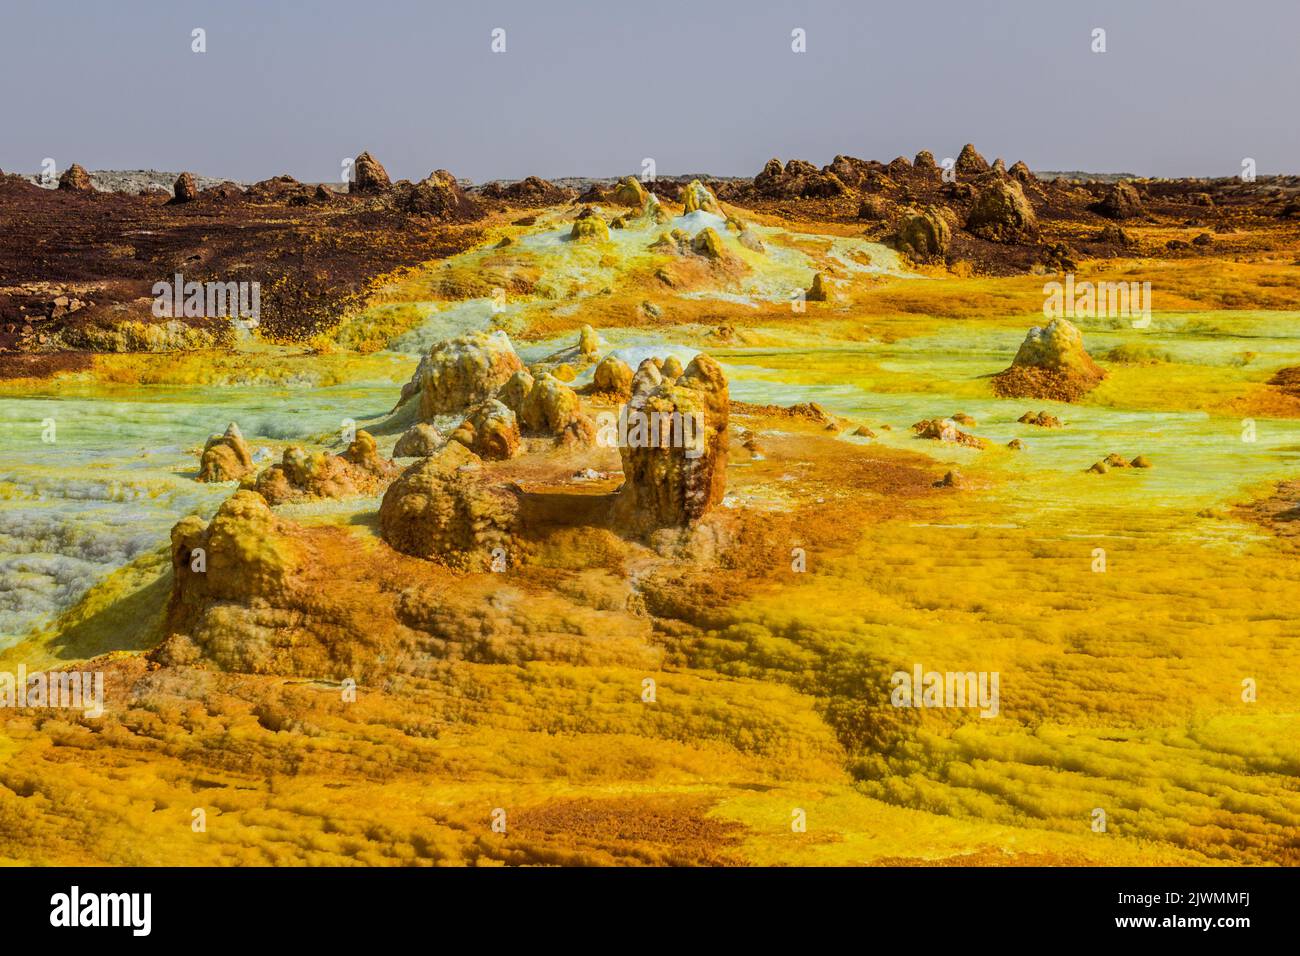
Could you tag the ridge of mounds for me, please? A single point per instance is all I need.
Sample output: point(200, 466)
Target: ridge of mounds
point(1113, 461)
point(1051, 363)
point(809, 413)
point(438, 195)
point(303, 475)
point(532, 192)
point(451, 508)
point(480, 376)
point(1032, 223)
point(317, 247)
point(705, 244)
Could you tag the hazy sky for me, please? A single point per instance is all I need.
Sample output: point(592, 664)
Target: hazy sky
point(1186, 87)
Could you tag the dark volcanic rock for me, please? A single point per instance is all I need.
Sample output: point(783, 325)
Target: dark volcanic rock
point(438, 195)
point(368, 175)
point(1002, 213)
point(798, 179)
point(924, 234)
point(1021, 173)
point(970, 162)
point(186, 189)
point(1120, 202)
point(76, 179)
point(532, 192)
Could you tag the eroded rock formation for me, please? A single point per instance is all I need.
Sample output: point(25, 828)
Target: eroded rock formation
point(368, 175)
point(553, 408)
point(185, 188)
point(1120, 202)
point(924, 234)
point(226, 457)
point(461, 372)
point(446, 509)
point(1002, 213)
point(232, 578)
point(490, 430)
point(1051, 363)
point(613, 376)
point(76, 179)
point(419, 441)
point(675, 452)
point(303, 475)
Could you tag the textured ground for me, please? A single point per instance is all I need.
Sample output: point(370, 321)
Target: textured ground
point(522, 692)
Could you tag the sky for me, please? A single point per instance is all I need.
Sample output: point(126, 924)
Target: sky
point(1185, 87)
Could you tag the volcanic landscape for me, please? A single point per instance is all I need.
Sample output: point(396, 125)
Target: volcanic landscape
point(373, 579)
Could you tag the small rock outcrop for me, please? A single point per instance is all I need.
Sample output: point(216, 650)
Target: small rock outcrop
point(613, 376)
point(970, 162)
point(533, 191)
point(1040, 419)
point(419, 441)
point(631, 193)
point(186, 189)
point(462, 372)
point(1021, 173)
point(924, 234)
point(515, 390)
point(696, 197)
point(1001, 213)
point(1120, 202)
point(1114, 235)
point(1051, 363)
point(368, 176)
point(817, 291)
point(76, 179)
point(225, 457)
point(552, 408)
point(708, 244)
point(589, 227)
point(439, 194)
point(675, 453)
point(945, 429)
point(491, 431)
point(305, 475)
point(444, 508)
